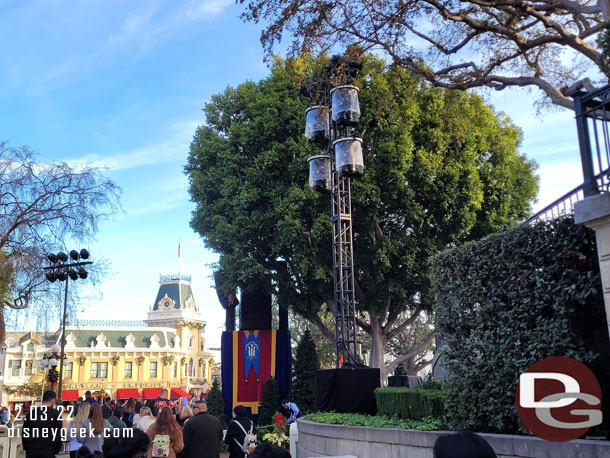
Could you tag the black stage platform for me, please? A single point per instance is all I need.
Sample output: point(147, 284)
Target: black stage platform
point(347, 390)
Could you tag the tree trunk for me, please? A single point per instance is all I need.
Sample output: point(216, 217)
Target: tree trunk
point(410, 366)
point(378, 344)
point(2, 325)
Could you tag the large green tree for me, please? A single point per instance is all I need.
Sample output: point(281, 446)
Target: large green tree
point(441, 168)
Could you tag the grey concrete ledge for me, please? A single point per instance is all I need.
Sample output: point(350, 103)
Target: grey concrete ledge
point(592, 208)
point(319, 439)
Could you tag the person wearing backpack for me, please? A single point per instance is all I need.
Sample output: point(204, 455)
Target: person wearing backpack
point(165, 435)
point(241, 434)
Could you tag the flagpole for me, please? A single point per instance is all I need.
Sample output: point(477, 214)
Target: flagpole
point(179, 258)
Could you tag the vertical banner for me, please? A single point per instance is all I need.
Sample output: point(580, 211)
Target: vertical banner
point(249, 358)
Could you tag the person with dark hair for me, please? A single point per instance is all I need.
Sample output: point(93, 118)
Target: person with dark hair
point(269, 450)
point(115, 418)
point(84, 452)
point(135, 446)
point(134, 415)
point(128, 408)
point(3, 415)
point(166, 425)
point(239, 427)
point(463, 444)
point(294, 410)
point(202, 434)
point(106, 409)
point(90, 399)
point(41, 435)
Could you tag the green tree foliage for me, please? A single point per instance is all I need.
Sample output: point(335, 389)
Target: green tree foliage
point(400, 370)
point(441, 168)
point(509, 301)
point(216, 403)
point(270, 404)
point(304, 375)
point(326, 349)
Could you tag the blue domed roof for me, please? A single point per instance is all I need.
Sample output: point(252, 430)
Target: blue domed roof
point(174, 292)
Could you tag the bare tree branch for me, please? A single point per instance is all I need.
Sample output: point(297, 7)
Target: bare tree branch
point(405, 324)
point(526, 43)
point(323, 328)
point(398, 361)
point(41, 204)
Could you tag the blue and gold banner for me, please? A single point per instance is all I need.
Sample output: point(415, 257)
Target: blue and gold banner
point(252, 352)
point(249, 358)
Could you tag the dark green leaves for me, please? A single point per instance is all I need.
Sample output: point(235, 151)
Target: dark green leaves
point(440, 167)
point(508, 301)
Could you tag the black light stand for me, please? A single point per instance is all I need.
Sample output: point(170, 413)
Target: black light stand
point(60, 269)
point(333, 172)
point(350, 387)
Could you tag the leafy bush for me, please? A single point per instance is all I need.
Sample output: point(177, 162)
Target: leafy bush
point(510, 300)
point(378, 421)
point(432, 385)
point(270, 404)
point(304, 375)
point(410, 404)
point(216, 403)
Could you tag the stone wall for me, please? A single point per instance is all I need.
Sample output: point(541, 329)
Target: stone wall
point(316, 439)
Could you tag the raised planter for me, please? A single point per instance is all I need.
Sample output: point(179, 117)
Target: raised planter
point(318, 439)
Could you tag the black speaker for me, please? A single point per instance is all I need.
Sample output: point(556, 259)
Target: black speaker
point(255, 311)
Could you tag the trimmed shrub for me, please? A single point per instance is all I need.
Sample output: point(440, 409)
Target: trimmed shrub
point(377, 421)
point(508, 301)
point(410, 404)
point(270, 404)
point(304, 375)
point(432, 385)
point(216, 403)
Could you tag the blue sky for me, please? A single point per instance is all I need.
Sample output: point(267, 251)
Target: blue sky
point(121, 84)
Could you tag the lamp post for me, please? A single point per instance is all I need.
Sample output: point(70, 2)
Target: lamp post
point(49, 361)
point(60, 269)
point(335, 128)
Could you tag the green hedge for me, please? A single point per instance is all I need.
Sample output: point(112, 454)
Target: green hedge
point(508, 301)
point(410, 404)
point(378, 421)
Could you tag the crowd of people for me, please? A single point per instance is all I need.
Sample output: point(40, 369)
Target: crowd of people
point(162, 428)
point(157, 428)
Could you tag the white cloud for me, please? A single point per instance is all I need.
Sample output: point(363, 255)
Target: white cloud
point(204, 9)
point(134, 25)
point(180, 136)
point(165, 204)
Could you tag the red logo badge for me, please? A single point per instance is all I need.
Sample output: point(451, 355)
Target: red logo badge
point(559, 399)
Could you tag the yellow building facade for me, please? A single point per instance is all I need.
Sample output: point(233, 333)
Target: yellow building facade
point(123, 358)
